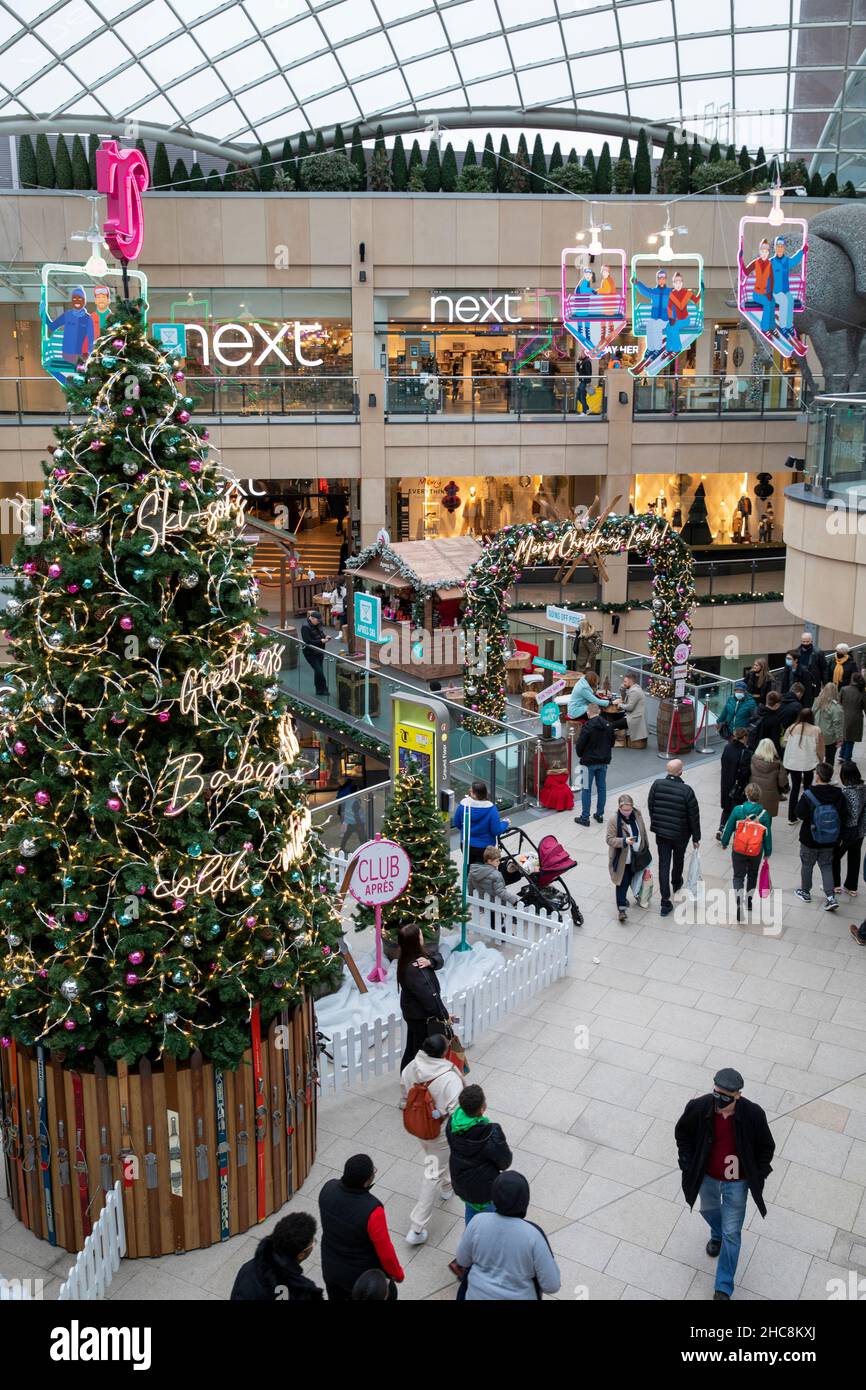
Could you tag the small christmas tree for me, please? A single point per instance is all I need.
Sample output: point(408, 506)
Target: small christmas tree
point(604, 171)
point(696, 530)
point(433, 898)
point(157, 870)
point(399, 167)
point(449, 169)
point(643, 172)
point(80, 168)
point(62, 164)
point(27, 176)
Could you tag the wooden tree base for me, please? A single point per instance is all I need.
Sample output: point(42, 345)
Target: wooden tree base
point(157, 1130)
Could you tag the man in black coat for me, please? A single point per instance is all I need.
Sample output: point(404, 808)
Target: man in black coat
point(674, 819)
point(314, 639)
point(274, 1273)
point(725, 1151)
point(792, 703)
point(736, 771)
point(768, 723)
point(594, 749)
point(811, 668)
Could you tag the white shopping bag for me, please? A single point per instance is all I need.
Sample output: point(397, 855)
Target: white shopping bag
point(695, 873)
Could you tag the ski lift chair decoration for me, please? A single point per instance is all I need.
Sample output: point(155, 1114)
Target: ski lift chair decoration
point(669, 316)
point(594, 317)
point(771, 281)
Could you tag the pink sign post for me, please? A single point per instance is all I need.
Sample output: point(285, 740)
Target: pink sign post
point(122, 175)
point(380, 872)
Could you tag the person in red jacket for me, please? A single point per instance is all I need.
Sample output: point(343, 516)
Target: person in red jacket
point(355, 1236)
point(762, 268)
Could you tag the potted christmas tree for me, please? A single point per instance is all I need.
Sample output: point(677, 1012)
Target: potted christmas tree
point(433, 899)
point(164, 899)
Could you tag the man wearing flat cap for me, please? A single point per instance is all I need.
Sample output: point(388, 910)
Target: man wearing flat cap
point(725, 1152)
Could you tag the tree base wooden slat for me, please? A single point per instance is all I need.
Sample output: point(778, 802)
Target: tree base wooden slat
point(156, 1186)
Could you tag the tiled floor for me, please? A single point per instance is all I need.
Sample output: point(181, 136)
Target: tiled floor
point(665, 1002)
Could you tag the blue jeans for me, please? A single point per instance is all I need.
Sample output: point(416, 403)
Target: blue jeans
point(597, 774)
point(723, 1207)
point(846, 750)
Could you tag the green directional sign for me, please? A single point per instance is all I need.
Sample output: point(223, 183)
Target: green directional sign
point(549, 665)
point(549, 713)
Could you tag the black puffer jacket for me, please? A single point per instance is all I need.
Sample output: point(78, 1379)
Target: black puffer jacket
point(478, 1156)
point(736, 762)
point(673, 809)
point(266, 1278)
point(769, 725)
point(596, 740)
point(420, 997)
point(694, 1140)
point(789, 709)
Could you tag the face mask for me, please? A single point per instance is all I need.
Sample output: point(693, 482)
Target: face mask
point(738, 694)
point(788, 661)
point(722, 1099)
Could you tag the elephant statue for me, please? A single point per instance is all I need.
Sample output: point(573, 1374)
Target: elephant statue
point(835, 311)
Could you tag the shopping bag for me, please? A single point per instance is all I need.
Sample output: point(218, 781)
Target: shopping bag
point(695, 874)
point(642, 887)
point(456, 1055)
point(764, 884)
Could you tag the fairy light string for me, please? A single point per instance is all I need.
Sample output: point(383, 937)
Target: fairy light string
point(128, 930)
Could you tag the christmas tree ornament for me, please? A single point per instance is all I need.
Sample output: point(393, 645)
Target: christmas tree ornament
point(19, 748)
point(69, 989)
point(28, 848)
point(135, 957)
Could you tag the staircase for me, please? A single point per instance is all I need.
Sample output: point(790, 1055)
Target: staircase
point(318, 549)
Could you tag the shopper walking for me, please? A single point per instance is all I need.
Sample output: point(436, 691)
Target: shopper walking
point(431, 1074)
point(351, 814)
point(811, 667)
point(355, 1236)
point(792, 703)
point(852, 698)
point(751, 829)
point(820, 809)
point(769, 722)
point(507, 1257)
point(421, 1002)
point(767, 772)
point(627, 849)
point(850, 847)
point(725, 1150)
point(594, 749)
point(841, 666)
point(675, 819)
point(274, 1273)
point(738, 711)
point(734, 767)
point(314, 639)
point(830, 719)
point(583, 371)
point(804, 750)
point(485, 822)
point(479, 1151)
point(759, 682)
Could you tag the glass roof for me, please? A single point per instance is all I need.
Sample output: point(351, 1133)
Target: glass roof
point(770, 73)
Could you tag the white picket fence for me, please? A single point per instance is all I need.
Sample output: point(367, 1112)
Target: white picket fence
point(542, 942)
point(96, 1265)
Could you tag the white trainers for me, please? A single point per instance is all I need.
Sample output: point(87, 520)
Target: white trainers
point(445, 1194)
point(416, 1237)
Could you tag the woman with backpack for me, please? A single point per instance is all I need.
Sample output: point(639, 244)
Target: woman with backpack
point(752, 830)
point(853, 829)
point(430, 1089)
point(804, 750)
point(421, 1002)
point(830, 718)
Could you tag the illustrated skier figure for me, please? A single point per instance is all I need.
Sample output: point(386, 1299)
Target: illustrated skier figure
point(658, 317)
point(762, 293)
point(77, 326)
point(678, 312)
point(783, 264)
point(102, 309)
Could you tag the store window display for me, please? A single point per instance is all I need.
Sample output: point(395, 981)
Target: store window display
point(436, 507)
point(716, 509)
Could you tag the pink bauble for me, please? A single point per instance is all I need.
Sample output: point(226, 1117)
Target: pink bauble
point(183, 416)
point(326, 950)
point(29, 567)
point(19, 747)
point(184, 487)
point(141, 890)
point(80, 914)
point(164, 716)
point(135, 957)
point(131, 977)
point(96, 443)
point(195, 466)
point(46, 511)
point(114, 803)
point(51, 922)
point(42, 798)
point(178, 904)
point(248, 844)
point(139, 477)
point(128, 410)
point(178, 376)
point(5, 1042)
point(118, 719)
point(72, 588)
point(251, 921)
point(126, 623)
point(70, 1025)
point(205, 434)
point(60, 474)
point(43, 974)
point(20, 870)
point(55, 571)
point(117, 344)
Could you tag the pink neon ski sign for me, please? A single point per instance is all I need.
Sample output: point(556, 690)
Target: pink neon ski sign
point(122, 175)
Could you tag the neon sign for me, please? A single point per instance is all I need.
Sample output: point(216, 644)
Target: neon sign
point(236, 344)
point(122, 175)
point(476, 308)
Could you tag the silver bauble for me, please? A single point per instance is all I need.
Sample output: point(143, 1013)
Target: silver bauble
point(56, 639)
point(268, 953)
point(13, 607)
point(30, 533)
point(28, 848)
point(47, 702)
point(145, 373)
point(155, 643)
point(170, 1018)
point(187, 940)
point(189, 581)
point(115, 785)
point(93, 535)
point(69, 989)
point(14, 939)
point(272, 692)
point(130, 468)
point(64, 769)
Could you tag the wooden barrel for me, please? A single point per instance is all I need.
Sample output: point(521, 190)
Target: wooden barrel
point(180, 1136)
point(683, 737)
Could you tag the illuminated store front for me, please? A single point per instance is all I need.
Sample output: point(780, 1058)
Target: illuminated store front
point(717, 509)
point(428, 508)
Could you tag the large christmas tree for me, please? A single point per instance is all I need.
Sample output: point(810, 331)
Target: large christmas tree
point(157, 872)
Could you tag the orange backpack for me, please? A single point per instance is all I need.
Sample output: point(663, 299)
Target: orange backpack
point(749, 836)
point(420, 1116)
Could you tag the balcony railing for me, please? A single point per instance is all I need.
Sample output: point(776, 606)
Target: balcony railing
point(25, 400)
point(479, 397)
point(714, 397)
point(835, 461)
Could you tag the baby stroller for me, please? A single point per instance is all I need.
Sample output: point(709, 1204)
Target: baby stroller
point(542, 867)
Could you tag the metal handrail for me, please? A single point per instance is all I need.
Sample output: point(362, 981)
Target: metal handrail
point(283, 407)
point(516, 395)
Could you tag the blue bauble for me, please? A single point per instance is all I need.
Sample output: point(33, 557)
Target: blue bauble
point(5, 757)
point(253, 813)
point(178, 977)
point(87, 583)
point(215, 930)
point(67, 882)
point(138, 574)
point(108, 360)
point(194, 850)
point(257, 890)
point(127, 507)
point(124, 919)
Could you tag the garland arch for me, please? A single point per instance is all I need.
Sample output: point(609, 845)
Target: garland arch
point(565, 543)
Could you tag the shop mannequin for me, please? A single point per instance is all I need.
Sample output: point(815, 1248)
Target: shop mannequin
point(744, 509)
point(724, 519)
point(767, 523)
point(523, 499)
